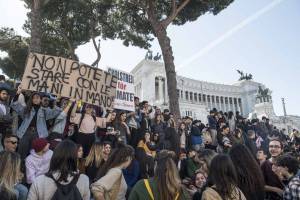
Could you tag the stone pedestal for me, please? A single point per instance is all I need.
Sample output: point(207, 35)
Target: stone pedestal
point(264, 109)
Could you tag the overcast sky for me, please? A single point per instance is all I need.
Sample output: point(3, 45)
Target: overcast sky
point(260, 37)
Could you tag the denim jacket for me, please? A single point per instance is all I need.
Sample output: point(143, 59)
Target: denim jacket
point(42, 115)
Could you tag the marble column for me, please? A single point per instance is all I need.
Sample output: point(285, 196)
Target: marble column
point(220, 105)
point(160, 90)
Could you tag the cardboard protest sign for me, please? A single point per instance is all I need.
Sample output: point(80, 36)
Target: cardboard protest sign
point(69, 78)
point(124, 99)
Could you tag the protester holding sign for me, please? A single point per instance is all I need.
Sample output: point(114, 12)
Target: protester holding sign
point(34, 121)
point(87, 123)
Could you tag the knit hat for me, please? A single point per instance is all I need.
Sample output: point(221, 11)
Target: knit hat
point(39, 144)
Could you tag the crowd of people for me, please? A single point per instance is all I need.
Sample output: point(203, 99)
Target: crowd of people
point(55, 148)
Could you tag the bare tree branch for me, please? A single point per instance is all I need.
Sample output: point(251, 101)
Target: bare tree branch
point(97, 48)
point(174, 7)
point(175, 11)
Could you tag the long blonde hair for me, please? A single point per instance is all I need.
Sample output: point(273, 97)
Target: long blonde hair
point(10, 173)
point(167, 176)
point(95, 155)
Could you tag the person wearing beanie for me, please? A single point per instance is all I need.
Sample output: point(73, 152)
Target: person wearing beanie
point(37, 163)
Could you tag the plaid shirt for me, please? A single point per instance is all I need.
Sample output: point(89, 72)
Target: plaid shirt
point(292, 191)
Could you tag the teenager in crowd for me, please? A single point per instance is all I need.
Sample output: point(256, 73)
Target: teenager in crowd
point(10, 176)
point(224, 142)
point(94, 161)
point(198, 182)
point(34, 121)
point(63, 172)
point(165, 184)
point(250, 178)
point(146, 144)
point(37, 163)
point(106, 150)
point(86, 123)
point(238, 136)
point(288, 168)
point(6, 118)
point(133, 121)
point(192, 163)
point(207, 140)
point(196, 137)
point(274, 187)
point(122, 128)
point(145, 153)
point(145, 118)
point(131, 175)
point(171, 140)
point(110, 133)
point(80, 159)
point(223, 180)
point(158, 125)
point(60, 121)
point(111, 183)
point(205, 157)
point(213, 127)
point(182, 132)
point(10, 142)
point(250, 142)
point(231, 121)
point(261, 156)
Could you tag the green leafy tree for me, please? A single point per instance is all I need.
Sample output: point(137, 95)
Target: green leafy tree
point(16, 47)
point(72, 23)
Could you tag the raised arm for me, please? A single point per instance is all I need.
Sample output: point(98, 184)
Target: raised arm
point(73, 112)
point(52, 113)
point(16, 105)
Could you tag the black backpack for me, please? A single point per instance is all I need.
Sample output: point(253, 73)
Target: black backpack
point(66, 192)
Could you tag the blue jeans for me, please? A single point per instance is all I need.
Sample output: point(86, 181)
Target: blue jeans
point(21, 191)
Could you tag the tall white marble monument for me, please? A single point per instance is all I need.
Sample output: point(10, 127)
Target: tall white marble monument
point(196, 97)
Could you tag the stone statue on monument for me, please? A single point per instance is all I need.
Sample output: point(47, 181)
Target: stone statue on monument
point(157, 57)
point(244, 76)
point(263, 95)
point(149, 56)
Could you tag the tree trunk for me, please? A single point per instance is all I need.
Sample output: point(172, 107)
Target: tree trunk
point(166, 48)
point(36, 33)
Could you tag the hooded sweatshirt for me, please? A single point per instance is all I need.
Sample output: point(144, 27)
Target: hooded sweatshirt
point(37, 165)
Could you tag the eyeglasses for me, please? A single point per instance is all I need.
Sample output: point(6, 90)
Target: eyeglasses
point(275, 146)
point(13, 142)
